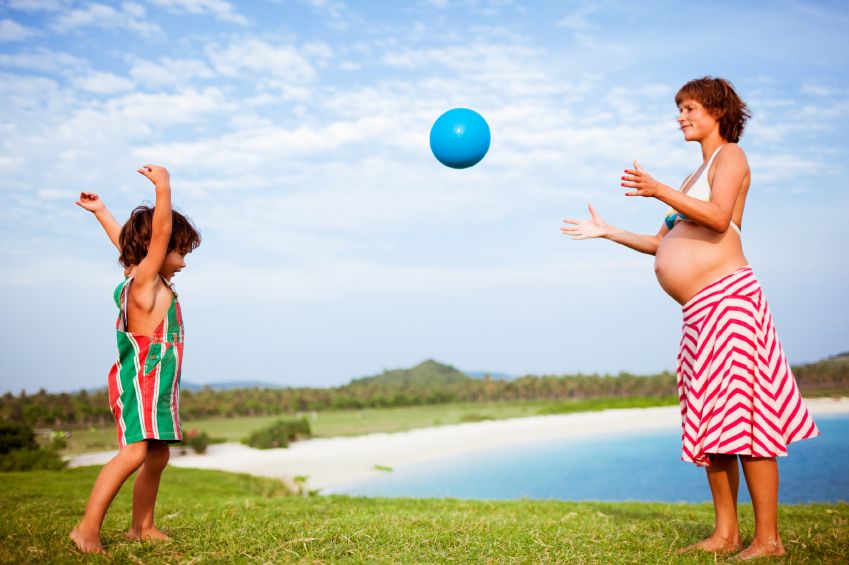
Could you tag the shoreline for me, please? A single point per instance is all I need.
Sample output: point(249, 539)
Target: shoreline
point(331, 463)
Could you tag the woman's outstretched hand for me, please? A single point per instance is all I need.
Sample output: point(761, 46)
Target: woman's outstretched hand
point(586, 229)
point(642, 182)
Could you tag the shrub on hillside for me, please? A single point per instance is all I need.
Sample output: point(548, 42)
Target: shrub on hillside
point(279, 434)
point(16, 436)
point(31, 460)
point(198, 441)
point(19, 450)
point(58, 440)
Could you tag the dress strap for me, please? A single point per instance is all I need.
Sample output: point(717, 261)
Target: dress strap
point(125, 298)
point(736, 228)
point(712, 157)
point(686, 180)
point(170, 285)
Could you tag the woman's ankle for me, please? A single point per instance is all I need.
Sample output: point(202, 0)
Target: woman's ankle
point(726, 533)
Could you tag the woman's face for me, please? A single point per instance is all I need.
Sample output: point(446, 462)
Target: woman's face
point(695, 121)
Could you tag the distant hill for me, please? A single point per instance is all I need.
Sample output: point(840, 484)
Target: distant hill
point(427, 373)
point(492, 374)
point(839, 358)
point(227, 385)
point(830, 375)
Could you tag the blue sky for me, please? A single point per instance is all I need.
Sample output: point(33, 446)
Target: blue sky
point(335, 246)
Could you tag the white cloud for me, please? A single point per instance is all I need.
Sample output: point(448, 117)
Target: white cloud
point(99, 82)
point(42, 60)
point(37, 5)
point(8, 163)
point(169, 72)
point(336, 13)
point(264, 61)
point(816, 90)
point(11, 30)
point(129, 15)
point(579, 19)
point(244, 150)
point(350, 66)
point(140, 114)
point(219, 9)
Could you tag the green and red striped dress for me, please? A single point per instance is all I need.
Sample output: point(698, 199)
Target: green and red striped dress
point(144, 383)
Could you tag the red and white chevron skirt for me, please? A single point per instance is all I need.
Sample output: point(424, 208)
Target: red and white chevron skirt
point(737, 393)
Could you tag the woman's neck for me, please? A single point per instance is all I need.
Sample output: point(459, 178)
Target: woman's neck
point(710, 145)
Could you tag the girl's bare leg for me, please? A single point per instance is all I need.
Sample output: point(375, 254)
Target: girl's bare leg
point(145, 490)
point(87, 533)
point(762, 480)
point(723, 476)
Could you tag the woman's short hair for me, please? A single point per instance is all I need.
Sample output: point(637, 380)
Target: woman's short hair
point(136, 233)
point(717, 95)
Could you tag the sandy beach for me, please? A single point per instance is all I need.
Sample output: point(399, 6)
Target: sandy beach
point(331, 463)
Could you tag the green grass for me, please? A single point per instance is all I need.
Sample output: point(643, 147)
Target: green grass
point(222, 517)
point(598, 404)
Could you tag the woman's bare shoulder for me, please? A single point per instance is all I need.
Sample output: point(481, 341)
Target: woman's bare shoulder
point(732, 155)
point(732, 151)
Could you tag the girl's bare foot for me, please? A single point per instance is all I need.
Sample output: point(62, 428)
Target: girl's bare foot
point(772, 548)
point(714, 544)
point(87, 542)
point(147, 534)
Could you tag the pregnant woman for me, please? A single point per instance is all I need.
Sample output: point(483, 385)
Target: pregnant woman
point(739, 399)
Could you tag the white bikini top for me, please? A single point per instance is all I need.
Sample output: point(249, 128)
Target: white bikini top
point(699, 190)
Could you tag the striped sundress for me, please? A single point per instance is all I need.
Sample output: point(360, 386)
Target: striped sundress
point(144, 383)
point(736, 389)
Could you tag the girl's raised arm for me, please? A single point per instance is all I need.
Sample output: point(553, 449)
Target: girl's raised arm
point(91, 201)
point(147, 273)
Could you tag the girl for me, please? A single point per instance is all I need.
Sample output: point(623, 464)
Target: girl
point(738, 396)
point(144, 383)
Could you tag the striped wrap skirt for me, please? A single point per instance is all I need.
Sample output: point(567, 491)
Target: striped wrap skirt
point(736, 390)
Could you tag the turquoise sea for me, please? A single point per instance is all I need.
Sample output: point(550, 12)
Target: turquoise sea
point(636, 467)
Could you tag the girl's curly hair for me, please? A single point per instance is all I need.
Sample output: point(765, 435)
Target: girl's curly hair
point(717, 95)
point(136, 233)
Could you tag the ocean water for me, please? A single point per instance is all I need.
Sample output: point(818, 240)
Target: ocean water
point(644, 467)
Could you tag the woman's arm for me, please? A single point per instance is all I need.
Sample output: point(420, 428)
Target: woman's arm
point(147, 273)
point(730, 171)
point(91, 201)
point(597, 227)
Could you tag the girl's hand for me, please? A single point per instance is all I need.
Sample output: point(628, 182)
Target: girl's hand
point(90, 201)
point(637, 178)
point(157, 175)
point(586, 229)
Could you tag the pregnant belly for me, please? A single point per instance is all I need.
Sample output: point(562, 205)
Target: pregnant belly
point(690, 257)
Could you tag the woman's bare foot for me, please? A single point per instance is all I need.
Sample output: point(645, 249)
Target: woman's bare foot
point(87, 542)
point(147, 534)
point(772, 548)
point(714, 544)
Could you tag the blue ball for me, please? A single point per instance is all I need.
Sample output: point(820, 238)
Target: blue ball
point(459, 138)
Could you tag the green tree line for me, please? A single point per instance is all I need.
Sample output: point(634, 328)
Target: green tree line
point(427, 383)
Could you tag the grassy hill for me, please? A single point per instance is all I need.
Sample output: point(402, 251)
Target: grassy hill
point(427, 373)
point(216, 517)
point(828, 376)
